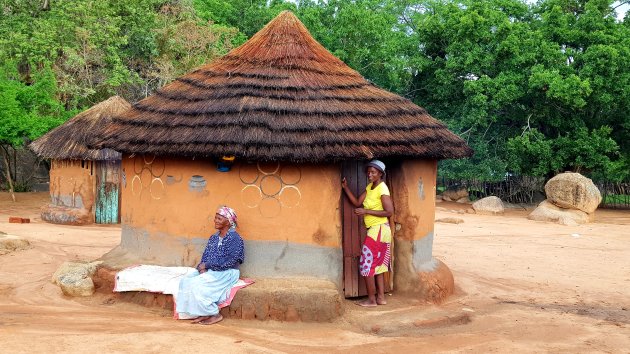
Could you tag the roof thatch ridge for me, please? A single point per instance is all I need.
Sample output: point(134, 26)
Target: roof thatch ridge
point(71, 139)
point(280, 96)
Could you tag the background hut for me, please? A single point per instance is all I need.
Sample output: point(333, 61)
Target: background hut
point(84, 182)
point(295, 118)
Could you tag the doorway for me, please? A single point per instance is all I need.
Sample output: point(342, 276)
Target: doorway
point(354, 232)
point(107, 192)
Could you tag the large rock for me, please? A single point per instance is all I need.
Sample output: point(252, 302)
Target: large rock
point(75, 278)
point(547, 211)
point(10, 243)
point(489, 205)
point(573, 191)
point(455, 193)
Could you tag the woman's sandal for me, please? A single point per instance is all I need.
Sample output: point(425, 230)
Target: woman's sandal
point(212, 320)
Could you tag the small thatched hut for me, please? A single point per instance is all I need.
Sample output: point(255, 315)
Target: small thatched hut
point(296, 119)
point(84, 182)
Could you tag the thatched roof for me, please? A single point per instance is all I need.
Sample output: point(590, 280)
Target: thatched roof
point(280, 96)
point(71, 139)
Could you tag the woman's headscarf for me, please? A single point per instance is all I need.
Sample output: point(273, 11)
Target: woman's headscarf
point(229, 214)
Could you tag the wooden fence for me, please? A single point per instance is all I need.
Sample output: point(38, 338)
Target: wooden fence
point(530, 190)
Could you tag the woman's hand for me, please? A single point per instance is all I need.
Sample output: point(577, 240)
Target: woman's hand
point(344, 183)
point(360, 211)
point(201, 268)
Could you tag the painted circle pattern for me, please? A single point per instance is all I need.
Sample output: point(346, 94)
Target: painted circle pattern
point(276, 189)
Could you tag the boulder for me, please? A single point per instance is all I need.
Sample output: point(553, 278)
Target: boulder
point(10, 243)
point(454, 193)
point(75, 278)
point(573, 191)
point(547, 211)
point(489, 205)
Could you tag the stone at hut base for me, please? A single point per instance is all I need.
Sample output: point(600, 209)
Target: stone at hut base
point(436, 282)
point(489, 206)
point(573, 191)
point(65, 215)
point(10, 243)
point(547, 211)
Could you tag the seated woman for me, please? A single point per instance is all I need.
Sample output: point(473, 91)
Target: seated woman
point(201, 292)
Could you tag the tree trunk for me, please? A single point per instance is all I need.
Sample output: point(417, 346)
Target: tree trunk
point(8, 172)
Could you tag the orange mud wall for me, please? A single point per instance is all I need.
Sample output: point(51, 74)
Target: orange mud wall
point(415, 269)
point(71, 192)
point(288, 214)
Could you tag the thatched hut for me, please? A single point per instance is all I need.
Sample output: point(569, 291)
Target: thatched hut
point(84, 182)
point(296, 119)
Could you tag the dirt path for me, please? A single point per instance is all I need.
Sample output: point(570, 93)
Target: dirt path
point(527, 286)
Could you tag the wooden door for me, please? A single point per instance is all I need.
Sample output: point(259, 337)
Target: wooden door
point(107, 192)
point(354, 232)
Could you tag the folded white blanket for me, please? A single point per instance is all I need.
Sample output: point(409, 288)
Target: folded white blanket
point(155, 279)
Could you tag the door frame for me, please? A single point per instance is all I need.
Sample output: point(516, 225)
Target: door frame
point(354, 232)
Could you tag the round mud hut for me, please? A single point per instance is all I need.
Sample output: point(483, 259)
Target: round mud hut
point(84, 182)
point(270, 129)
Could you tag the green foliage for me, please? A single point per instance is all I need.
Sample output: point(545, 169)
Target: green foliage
point(28, 111)
point(581, 151)
point(533, 88)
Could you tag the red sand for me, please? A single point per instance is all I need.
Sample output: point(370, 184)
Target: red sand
point(527, 287)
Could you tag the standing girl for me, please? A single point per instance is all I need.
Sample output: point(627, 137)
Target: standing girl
point(375, 204)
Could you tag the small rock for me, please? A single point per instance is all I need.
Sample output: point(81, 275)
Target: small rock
point(75, 279)
point(79, 269)
point(489, 205)
point(470, 211)
point(461, 211)
point(455, 193)
point(450, 220)
point(76, 285)
point(10, 243)
point(463, 200)
point(446, 199)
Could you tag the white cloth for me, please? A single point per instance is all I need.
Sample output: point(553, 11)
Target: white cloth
point(151, 278)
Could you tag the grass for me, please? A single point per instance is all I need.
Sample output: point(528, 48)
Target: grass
point(616, 199)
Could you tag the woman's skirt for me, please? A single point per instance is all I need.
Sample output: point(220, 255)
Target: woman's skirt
point(376, 251)
point(200, 294)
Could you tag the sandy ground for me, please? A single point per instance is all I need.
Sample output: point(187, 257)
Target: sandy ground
point(526, 286)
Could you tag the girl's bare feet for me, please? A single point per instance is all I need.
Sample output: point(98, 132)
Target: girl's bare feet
point(366, 303)
point(380, 300)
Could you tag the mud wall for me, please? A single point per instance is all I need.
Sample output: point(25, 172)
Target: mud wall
point(414, 199)
point(288, 214)
point(72, 184)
